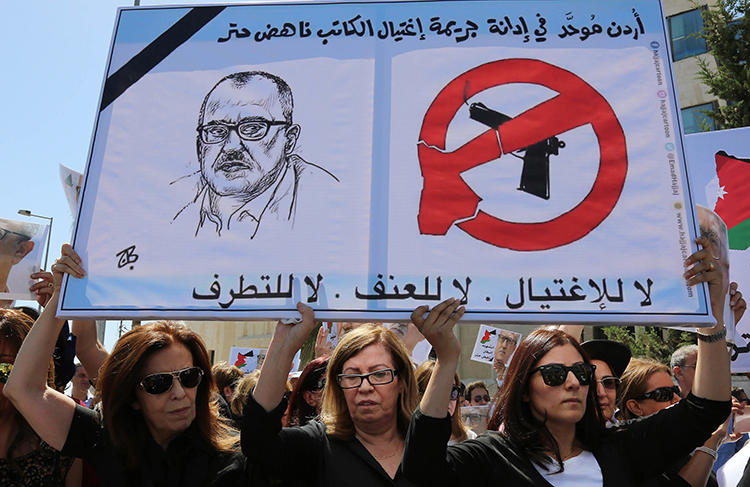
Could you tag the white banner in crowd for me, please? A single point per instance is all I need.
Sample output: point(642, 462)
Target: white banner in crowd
point(719, 164)
point(523, 157)
point(21, 249)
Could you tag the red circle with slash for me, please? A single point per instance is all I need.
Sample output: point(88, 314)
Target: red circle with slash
point(446, 198)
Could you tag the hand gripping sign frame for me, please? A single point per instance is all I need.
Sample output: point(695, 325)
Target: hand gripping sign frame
point(446, 198)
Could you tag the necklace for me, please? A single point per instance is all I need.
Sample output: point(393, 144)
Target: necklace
point(574, 452)
point(397, 451)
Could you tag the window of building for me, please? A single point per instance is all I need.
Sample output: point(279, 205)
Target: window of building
point(682, 30)
point(693, 118)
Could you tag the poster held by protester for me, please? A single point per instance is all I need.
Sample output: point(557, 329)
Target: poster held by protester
point(71, 181)
point(523, 157)
point(495, 346)
point(719, 164)
point(247, 359)
point(21, 249)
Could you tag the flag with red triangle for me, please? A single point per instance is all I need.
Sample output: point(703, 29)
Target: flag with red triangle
point(733, 205)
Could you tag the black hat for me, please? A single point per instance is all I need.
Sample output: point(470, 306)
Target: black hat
point(615, 354)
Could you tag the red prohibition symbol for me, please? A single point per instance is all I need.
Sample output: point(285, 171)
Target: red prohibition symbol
point(446, 198)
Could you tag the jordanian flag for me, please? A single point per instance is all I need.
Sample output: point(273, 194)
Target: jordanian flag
point(733, 205)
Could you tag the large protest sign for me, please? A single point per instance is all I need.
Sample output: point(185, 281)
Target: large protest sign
point(21, 250)
point(523, 157)
point(719, 164)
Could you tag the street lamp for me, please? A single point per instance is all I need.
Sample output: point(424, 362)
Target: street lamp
point(49, 234)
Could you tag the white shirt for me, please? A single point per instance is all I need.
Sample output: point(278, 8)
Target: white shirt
point(580, 471)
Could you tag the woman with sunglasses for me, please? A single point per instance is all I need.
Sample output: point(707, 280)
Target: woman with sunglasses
point(610, 359)
point(307, 395)
point(459, 431)
point(647, 388)
point(368, 398)
point(158, 425)
point(550, 427)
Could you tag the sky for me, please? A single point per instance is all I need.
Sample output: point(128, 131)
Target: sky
point(54, 55)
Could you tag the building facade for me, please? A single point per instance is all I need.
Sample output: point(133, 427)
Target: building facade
point(684, 21)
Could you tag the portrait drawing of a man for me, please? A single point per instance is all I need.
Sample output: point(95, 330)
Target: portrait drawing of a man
point(245, 144)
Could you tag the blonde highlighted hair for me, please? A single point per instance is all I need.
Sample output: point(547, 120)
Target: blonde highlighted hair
point(634, 381)
point(335, 413)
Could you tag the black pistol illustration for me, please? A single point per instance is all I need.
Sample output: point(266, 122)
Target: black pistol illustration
point(535, 173)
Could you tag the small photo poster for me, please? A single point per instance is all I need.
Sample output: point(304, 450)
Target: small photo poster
point(495, 346)
point(247, 359)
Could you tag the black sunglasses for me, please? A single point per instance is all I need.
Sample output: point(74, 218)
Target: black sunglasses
point(555, 374)
point(5, 372)
point(609, 382)
point(319, 385)
point(660, 394)
point(456, 391)
point(479, 398)
point(162, 382)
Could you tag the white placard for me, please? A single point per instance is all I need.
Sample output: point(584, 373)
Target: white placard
point(21, 249)
point(367, 160)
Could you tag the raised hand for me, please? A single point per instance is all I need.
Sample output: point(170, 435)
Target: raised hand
point(437, 327)
point(736, 302)
point(43, 288)
point(290, 336)
point(322, 346)
point(704, 267)
point(68, 263)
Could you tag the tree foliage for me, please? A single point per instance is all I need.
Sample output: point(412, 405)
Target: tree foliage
point(726, 29)
point(651, 342)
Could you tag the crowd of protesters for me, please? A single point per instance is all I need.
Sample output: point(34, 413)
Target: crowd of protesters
point(360, 413)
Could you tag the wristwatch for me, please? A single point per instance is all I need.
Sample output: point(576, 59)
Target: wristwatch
point(713, 337)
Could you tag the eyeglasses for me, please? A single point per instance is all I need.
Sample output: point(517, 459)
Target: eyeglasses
point(456, 391)
point(215, 132)
point(5, 372)
point(479, 398)
point(163, 381)
point(660, 394)
point(555, 374)
point(609, 382)
point(377, 378)
point(4, 233)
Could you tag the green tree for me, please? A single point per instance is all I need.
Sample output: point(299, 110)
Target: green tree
point(651, 342)
point(726, 29)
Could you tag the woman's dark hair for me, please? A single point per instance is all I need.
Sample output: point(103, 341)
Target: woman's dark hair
point(123, 370)
point(14, 326)
point(300, 412)
point(514, 413)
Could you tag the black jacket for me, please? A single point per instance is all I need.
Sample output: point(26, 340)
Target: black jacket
point(186, 462)
point(629, 456)
point(306, 455)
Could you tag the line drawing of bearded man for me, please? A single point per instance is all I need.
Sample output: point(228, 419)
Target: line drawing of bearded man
point(245, 146)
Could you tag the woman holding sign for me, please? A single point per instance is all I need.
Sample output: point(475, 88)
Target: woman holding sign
point(158, 426)
point(550, 428)
point(368, 398)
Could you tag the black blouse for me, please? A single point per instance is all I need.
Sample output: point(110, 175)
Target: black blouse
point(630, 455)
point(43, 467)
point(306, 455)
point(186, 462)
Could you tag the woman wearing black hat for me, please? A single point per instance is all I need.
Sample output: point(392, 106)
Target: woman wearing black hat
point(610, 358)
